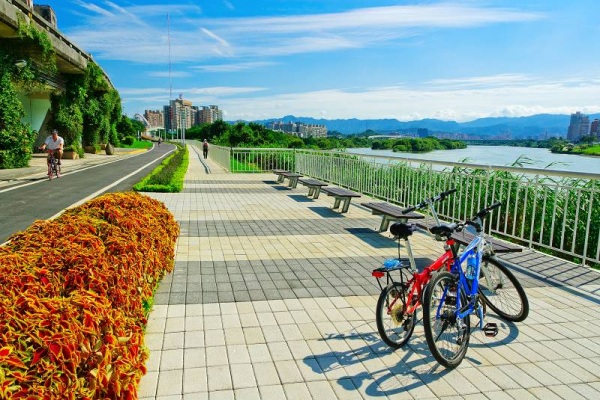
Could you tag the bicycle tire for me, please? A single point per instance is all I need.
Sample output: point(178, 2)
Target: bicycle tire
point(447, 339)
point(507, 298)
point(395, 328)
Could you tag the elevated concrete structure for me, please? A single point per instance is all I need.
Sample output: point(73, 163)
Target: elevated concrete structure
point(70, 59)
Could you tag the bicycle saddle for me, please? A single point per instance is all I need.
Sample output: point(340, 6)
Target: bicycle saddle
point(402, 229)
point(443, 229)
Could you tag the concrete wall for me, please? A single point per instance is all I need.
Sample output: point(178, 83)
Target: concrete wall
point(36, 109)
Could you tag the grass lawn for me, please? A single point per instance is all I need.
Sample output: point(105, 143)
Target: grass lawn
point(593, 150)
point(138, 144)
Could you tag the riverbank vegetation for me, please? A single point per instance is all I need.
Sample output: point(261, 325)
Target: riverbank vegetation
point(258, 136)
point(418, 145)
point(586, 145)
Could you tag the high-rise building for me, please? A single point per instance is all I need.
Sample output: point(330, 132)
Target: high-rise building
point(595, 129)
point(178, 114)
point(209, 114)
point(155, 118)
point(579, 126)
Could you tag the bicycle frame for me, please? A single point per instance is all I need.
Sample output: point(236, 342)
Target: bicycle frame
point(471, 289)
point(420, 279)
point(477, 247)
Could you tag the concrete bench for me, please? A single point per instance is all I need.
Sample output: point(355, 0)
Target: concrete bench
point(279, 173)
point(340, 194)
point(314, 186)
point(464, 238)
point(390, 213)
point(293, 177)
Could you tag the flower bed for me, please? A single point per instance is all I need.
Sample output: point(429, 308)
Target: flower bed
point(74, 296)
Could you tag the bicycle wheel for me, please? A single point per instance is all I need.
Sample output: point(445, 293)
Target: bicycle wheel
point(446, 335)
point(504, 294)
point(394, 325)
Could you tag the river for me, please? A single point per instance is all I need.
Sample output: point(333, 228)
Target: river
point(500, 156)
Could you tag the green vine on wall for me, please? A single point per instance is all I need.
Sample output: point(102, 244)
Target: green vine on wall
point(88, 110)
point(16, 137)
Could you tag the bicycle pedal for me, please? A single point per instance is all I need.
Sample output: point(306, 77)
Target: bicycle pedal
point(490, 329)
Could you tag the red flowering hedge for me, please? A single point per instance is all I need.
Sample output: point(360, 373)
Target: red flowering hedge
point(72, 297)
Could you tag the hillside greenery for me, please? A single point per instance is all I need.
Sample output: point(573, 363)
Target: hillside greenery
point(256, 135)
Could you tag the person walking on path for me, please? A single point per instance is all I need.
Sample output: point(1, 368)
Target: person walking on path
point(205, 148)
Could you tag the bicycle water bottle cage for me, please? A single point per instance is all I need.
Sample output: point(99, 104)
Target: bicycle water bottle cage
point(402, 230)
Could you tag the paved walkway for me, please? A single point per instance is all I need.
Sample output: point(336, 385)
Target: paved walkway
point(272, 298)
point(38, 169)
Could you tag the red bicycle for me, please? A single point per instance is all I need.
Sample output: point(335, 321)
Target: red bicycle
point(399, 301)
point(53, 165)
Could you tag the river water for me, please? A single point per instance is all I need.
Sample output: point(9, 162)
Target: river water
point(499, 156)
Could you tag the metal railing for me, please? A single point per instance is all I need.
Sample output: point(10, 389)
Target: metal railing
point(553, 211)
point(219, 154)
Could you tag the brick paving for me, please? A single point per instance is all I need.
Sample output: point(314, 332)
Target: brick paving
point(272, 298)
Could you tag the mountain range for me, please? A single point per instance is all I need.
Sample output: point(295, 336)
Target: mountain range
point(534, 126)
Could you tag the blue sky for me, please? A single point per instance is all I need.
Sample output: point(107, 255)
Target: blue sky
point(451, 60)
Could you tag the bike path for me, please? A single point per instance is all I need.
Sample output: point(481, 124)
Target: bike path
point(272, 298)
point(33, 196)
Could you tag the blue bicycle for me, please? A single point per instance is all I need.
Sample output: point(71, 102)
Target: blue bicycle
point(451, 297)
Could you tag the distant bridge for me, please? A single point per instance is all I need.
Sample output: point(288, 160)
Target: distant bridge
point(149, 128)
point(397, 136)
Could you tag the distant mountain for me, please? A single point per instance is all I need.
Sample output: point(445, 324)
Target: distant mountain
point(538, 125)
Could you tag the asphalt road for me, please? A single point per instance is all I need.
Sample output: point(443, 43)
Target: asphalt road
point(21, 206)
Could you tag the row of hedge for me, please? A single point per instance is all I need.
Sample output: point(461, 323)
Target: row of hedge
point(169, 175)
point(75, 295)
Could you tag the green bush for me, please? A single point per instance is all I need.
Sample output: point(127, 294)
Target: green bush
point(168, 176)
point(128, 140)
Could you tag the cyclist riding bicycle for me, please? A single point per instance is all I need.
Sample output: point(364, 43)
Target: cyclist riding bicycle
point(54, 144)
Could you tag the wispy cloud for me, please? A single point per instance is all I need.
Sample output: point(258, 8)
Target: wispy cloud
point(172, 74)
point(260, 36)
point(242, 66)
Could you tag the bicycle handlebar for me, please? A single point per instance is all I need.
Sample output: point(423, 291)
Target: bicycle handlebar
point(486, 210)
point(424, 203)
point(476, 221)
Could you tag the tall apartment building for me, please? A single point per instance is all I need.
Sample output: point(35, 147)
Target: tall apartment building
point(181, 113)
point(578, 127)
point(154, 117)
point(595, 129)
point(209, 114)
point(178, 114)
point(299, 128)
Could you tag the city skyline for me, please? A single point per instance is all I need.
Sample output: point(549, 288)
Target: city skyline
point(452, 60)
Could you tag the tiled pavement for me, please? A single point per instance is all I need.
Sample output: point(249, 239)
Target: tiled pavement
point(272, 298)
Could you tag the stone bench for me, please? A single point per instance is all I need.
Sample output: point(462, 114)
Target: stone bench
point(293, 177)
point(390, 213)
point(279, 173)
point(314, 186)
point(340, 194)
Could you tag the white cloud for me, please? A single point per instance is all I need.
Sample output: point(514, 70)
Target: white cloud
point(260, 36)
point(172, 74)
point(242, 66)
point(519, 99)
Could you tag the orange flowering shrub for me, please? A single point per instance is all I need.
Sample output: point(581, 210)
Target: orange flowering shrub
point(72, 294)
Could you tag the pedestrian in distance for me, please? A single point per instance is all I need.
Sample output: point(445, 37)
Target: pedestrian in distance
point(205, 148)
